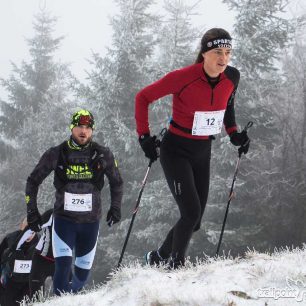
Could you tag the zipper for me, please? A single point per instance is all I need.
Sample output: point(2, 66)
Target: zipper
point(212, 92)
point(212, 96)
point(212, 89)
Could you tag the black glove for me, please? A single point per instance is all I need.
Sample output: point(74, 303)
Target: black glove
point(241, 139)
point(149, 146)
point(34, 220)
point(113, 216)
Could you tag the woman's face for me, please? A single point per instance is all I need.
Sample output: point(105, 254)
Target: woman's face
point(216, 60)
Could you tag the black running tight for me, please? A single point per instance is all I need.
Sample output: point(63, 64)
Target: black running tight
point(186, 164)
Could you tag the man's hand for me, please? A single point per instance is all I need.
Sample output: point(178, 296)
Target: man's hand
point(34, 220)
point(113, 216)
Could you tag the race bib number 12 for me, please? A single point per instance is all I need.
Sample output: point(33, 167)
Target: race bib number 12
point(207, 123)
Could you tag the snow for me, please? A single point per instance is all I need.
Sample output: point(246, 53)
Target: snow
point(257, 279)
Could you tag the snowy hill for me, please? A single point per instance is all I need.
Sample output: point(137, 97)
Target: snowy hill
point(258, 279)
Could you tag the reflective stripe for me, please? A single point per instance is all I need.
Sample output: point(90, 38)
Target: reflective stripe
point(86, 261)
point(60, 248)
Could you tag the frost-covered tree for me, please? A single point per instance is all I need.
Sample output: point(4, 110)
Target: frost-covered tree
point(290, 113)
point(131, 49)
point(8, 198)
point(115, 79)
point(261, 32)
point(177, 36)
point(36, 115)
point(175, 48)
point(30, 85)
point(293, 112)
point(113, 83)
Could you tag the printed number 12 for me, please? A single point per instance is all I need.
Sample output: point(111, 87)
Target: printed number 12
point(210, 121)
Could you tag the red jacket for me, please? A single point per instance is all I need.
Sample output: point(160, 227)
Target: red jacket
point(191, 92)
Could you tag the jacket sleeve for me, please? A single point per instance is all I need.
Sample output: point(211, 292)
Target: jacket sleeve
point(46, 164)
point(3, 247)
point(115, 180)
point(169, 84)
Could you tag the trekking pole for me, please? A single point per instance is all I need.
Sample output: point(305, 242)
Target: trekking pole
point(231, 194)
point(138, 201)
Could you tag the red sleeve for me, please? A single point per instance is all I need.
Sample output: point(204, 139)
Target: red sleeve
point(169, 84)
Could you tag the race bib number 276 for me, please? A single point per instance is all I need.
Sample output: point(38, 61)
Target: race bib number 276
point(78, 202)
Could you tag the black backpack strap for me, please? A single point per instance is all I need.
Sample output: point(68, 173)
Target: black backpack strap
point(60, 170)
point(98, 165)
point(95, 154)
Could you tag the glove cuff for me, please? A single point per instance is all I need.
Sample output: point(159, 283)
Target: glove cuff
point(33, 215)
point(235, 139)
point(143, 137)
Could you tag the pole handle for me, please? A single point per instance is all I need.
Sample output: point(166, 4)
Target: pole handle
point(160, 137)
point(249, 124)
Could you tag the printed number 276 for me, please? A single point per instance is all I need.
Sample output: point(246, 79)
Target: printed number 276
point(77, 201)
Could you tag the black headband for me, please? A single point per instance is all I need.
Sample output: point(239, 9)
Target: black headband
point(217, 43)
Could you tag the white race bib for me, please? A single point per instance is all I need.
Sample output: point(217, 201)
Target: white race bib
point(78, 202)
point(22, 266)
point(207, 123)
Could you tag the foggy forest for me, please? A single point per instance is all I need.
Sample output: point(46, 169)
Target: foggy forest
point(269, 207)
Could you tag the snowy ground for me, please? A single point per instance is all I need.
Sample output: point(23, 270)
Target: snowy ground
point(259, 279)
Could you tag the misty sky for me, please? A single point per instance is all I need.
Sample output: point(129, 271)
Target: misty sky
point(85, 25)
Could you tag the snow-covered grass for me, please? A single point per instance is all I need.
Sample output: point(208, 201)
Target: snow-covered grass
point(257, 279)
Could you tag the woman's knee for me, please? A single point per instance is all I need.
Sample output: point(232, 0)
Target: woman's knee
point(197, 227)
point(191, 219)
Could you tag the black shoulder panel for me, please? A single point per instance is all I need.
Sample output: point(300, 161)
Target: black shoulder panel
point(233, 74)
point(99, 148)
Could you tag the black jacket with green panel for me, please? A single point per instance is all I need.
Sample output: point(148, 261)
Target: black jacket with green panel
point(78, 180)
